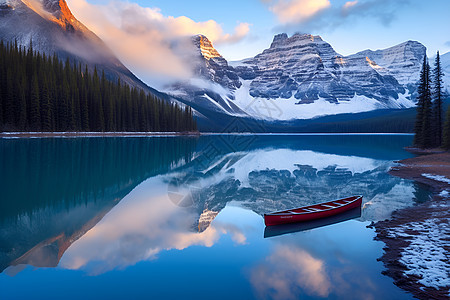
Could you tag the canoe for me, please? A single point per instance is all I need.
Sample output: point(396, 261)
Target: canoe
point(276, 230)
point(312, 212)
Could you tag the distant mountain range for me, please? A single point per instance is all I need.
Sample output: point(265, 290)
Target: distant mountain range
point(298, 78)
point(302, 77)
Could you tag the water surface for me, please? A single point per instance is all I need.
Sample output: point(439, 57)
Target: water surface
point(178, 217)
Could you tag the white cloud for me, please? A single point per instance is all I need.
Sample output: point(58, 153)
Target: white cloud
point(297, 11)
point(349, 4)
point(288, 272)
point(142, 37)
point(311, 15)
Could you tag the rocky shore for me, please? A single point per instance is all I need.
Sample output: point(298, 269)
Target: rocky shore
point(417, 252)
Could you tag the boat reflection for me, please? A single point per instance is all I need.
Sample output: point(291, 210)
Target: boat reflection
point(271, 231)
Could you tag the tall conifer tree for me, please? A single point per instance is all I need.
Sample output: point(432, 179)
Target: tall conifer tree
point(35, 109)
point(423, 128)
point(438, 98)
point(43, 93)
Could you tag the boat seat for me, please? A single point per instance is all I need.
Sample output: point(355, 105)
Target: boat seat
point(329, 206)
point(340, 204)
point(315, 209)
point(308, 210)
point(293, 212)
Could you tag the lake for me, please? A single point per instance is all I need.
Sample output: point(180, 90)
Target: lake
point(181, 217)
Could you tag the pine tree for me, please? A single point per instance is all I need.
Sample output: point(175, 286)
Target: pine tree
point(22, 122)
point(9, 99)
point(423, 128)
point(46, 107)
point(35, 110)
point(43, 93)
point(438, 97)
point(446, 132)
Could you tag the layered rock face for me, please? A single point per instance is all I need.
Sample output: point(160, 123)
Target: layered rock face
point(299, 70)
point(402, 61)
point(212, 65)
point(306, 67)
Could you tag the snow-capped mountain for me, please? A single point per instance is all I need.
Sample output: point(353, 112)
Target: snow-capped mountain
point(253, 179)
point(214, 66)
point(301, 77)
point(52, 28)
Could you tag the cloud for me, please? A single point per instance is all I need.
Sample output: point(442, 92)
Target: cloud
point(143, 37)
point(447, 43)
point(297, 11)
point(144, 224)
point(288, 273)
point(349, 4)
point(383, 10)
point(310, 15)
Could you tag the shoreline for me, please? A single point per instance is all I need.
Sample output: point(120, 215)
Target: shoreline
point(94, 134)
point(417, 238)
point(11, 135)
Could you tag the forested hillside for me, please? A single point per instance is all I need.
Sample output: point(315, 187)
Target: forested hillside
point(41, 93)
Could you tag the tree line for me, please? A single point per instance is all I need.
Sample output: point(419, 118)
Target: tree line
point(430, 129)
point(41, 93)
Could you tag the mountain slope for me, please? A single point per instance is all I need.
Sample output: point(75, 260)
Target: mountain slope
point(302, 77)
point(445, 61)
point(52, 28)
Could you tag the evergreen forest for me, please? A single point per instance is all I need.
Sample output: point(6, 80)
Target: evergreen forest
point(430, 129)
point(41, 93)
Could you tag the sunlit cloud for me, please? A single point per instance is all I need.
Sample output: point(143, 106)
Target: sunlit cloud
point(310, 15)
point(297, 11)
point(143, 37)
point(349, 4)
point(288, 273)
point(139, 228)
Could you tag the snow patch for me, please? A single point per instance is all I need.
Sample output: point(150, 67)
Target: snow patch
point(444, 194)
point(289, 109)
point(436, 177)
point(426, 256)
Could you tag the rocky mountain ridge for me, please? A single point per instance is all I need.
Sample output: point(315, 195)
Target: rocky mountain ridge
point(302, 76)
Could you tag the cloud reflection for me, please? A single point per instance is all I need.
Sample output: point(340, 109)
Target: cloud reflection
point(142, 225)
point(290, 272)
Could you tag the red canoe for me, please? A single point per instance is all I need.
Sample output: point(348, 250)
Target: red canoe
point(312, 212)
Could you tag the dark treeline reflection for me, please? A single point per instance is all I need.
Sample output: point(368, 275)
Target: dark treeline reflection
point(40, 173)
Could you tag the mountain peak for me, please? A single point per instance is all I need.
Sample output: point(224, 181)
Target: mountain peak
point(56, 11)
point(58, 8)
point(300, 38)
point(206, 47)
point(62, 14)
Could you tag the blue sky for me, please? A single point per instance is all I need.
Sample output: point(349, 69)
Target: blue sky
point(142, 33)
point(375, 24)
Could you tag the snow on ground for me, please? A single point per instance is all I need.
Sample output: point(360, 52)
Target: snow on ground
point(426, 256)
point(436, 177)
point(288, 109)
point(444, 194)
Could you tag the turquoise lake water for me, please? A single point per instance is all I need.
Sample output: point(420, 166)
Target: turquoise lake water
point(181, 217)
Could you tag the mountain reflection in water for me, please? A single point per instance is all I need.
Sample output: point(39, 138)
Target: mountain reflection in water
point(135, 200)
point(54, 190)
